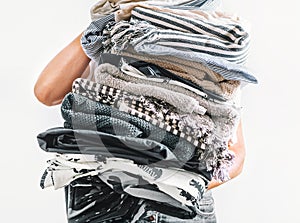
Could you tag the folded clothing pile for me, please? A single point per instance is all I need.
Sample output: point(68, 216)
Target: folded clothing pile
point(152, 124)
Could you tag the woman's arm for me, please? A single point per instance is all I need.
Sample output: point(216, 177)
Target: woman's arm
point(239, 149)
point(56, 79)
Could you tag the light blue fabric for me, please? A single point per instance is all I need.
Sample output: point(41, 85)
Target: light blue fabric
point(228, 70)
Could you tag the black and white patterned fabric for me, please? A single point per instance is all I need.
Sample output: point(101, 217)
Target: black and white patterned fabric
point(212, 144)
point(192, 127)
point(212, 31)
point(89, 199)
point(225, 42)
point(82, 113)
point(176, 187)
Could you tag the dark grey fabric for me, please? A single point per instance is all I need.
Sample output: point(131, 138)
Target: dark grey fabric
point(90, 200)
point(141, 151)
point(82, 113)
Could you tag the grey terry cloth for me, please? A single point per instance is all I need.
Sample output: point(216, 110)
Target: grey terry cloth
point(192, 71)
point(180, 101)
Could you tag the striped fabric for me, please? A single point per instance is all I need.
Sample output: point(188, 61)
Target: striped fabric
point(203, 4)
point(207, 4)
point(93, 43)
point(106, 7)
point(137, 34)
point(220, 37)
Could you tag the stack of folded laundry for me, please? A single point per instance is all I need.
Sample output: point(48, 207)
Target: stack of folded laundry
point(150, 127)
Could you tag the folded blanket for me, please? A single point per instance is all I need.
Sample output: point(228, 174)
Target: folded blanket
point(192, 127)
point(82, 113)
point(193, 74)
point(180, 101)
point(137, 70)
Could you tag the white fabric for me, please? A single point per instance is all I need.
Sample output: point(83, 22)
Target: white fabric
point(174, 184)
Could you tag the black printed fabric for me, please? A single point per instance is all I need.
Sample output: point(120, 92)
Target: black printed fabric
point(88, 199)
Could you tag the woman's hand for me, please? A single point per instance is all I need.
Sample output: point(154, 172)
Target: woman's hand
point(239, 149)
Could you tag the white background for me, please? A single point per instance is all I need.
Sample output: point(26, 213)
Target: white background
point(32, 32)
